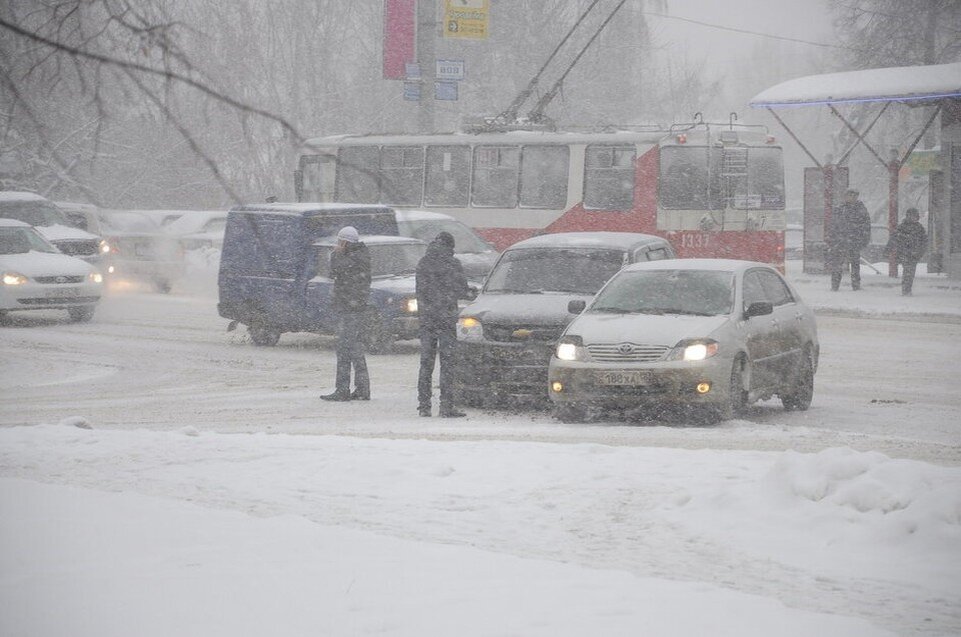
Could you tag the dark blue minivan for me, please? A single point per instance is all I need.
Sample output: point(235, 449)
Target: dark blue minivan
point(273, 270)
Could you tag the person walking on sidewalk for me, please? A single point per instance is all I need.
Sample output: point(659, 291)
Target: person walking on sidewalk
point(908, 243)
point(440, 283)
point(350, 270)
point(848, 233)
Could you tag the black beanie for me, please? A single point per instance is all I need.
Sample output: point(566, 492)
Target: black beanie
point(446, 238)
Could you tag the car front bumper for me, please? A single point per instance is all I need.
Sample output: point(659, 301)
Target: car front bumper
point(504, 369)
point(663, 382)
point(43, 296)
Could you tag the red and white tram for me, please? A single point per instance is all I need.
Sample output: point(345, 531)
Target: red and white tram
point(712, 190)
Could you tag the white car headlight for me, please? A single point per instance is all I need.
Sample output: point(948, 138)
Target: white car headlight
point(96, 277)
point(694, 350)
point(13, 278)
point(469, 329)
point(105, 247)
point(410, 306)
point(571, 348)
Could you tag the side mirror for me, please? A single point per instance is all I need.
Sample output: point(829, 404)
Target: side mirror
point(758, 308)
point(577, 306)
point(472, 292)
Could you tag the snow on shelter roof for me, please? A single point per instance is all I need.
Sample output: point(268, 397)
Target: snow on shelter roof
point(895, 84)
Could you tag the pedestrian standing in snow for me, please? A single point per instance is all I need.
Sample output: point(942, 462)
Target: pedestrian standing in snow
point(908, 244)
point(350, 270)
point(848, 233)
point(440, 283)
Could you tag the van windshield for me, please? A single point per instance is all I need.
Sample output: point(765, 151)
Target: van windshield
point(571, 270)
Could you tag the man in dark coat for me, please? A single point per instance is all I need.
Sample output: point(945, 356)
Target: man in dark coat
point(440, 283)
point(908, 242)
point(848, 233)
point(350, 270)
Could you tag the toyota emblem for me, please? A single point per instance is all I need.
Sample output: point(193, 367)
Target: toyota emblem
point(626, 348)
point(61, 279)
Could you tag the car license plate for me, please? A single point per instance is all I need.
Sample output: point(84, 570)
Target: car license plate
point(623, 378)
point(62, 293)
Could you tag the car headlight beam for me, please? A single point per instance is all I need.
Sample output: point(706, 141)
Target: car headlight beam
point(469, 329)
point(13, 278)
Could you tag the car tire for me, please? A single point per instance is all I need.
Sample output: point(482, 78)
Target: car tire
point(263, 335)
point(163, 287)
point(800, 396)
point(81, 314)
point(736, 398)
point(570, 413)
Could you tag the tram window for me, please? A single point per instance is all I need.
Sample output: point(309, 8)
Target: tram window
point(448, 176)
point(609, 178)
point(494, 182)
point(318, 184)
point(544, 176)
point(357, 169)
point(684, 178)
point(402, 175)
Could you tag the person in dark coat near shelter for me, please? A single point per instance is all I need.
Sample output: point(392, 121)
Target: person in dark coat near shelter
point(908, 243)
point(350, 270)
point(440, 283)
point(848, 233)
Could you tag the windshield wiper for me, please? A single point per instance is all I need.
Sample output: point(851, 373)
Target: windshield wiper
point(612, 310)
point(680, 311)
point(515, 291)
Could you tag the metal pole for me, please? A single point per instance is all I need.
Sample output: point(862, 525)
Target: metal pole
point(893, 169)
point(426, 34)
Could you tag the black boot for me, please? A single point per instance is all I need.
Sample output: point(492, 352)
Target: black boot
point(339, 396)
point(424, 410)
point(359, 395)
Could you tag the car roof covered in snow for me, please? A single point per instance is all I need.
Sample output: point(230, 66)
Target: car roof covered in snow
point(372, 239)
point(13, 223)
point(306, 209)
point(421, 215)
point(18, 195)
point(717, 265)
point(612, 240)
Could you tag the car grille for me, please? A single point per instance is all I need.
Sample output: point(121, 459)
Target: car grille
point(627, 353)
point(81, 248)
point(59, 279)
point(61, 301)
point(521, 333)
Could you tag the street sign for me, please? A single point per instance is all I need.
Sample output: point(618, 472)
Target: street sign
point(466, 19)
point(449, 70)
point(412, 71)
point(445, 90)
point(412, 91)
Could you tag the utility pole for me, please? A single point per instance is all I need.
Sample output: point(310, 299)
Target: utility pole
point(426, 36)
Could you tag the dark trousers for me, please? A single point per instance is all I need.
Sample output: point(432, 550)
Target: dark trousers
point(434, 338)
point(350, 352)
point(908, 268)
point(840, 263)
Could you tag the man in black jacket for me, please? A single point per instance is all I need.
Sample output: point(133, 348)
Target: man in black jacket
point(908, 243)
point(350, 270)
point(848, 234)
point(440, 283)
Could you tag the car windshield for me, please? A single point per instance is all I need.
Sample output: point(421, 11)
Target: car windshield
point(33, 212)
point(536, 270)
point(698, 292)
point(386, 259)
point(464, 238)
point(23, 240)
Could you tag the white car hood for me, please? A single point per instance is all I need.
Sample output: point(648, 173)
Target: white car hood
point(64, 233)
point(34, 264)
point(643, 329)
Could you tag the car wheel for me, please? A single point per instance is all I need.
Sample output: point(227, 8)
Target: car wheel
point(570, 413)
point(799, 398)
point(737, 397)
point(263, 335)
point(81, 314)
point(163, 286)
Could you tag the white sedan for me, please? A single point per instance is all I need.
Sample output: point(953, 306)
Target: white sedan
point(37, 276)
point(712, 333)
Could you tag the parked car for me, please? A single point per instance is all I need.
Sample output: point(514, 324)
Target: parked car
point(163, 218)
point(715, 334)
point(81, 215)
point(37, 276)
point(272, 275)
point(506, 336)
point(138, 250)
point(199, 229)
point(50, 222)
point(475, 255)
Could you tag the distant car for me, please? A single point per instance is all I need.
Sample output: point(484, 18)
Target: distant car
point(163, 218)
point(37, 276)
point(475, 255)
point(137, 249)
point(81, 215)
point(199, 229)
point(51, 222)
point(505, 337)
point(715, 334)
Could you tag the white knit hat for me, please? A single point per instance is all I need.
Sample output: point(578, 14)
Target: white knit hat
point(348, 234)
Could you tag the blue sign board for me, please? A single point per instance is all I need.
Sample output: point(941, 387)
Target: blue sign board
point(445, 91)
point(412, 91)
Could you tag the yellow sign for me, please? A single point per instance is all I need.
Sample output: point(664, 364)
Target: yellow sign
point(466, 19)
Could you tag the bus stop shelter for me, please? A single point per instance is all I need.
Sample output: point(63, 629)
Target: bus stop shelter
point(935, 86)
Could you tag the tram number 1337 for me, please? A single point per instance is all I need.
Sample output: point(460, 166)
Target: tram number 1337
point(695, 240)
